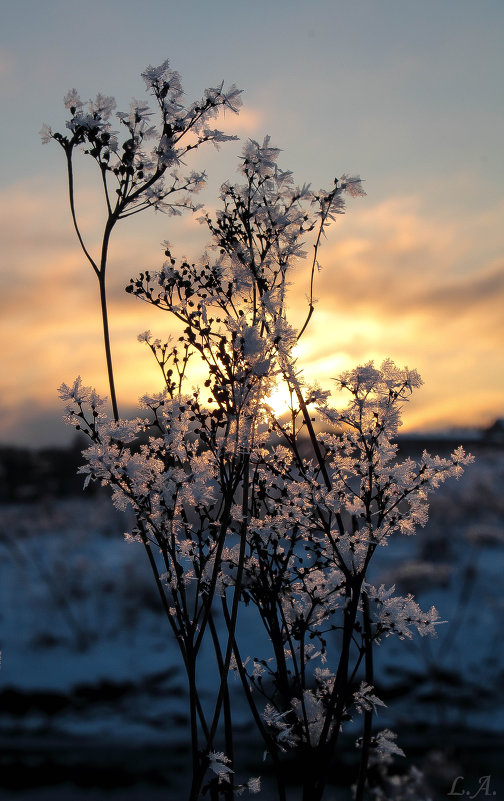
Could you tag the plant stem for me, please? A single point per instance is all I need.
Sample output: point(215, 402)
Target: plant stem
point(236, 599)
point(228, 723)
point(368, 713)
point(321, 760)
point(106, 340)
point(268, 740)
point(197, 768)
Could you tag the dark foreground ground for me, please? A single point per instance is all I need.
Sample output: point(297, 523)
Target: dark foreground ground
point(92, 700)
point(46, 769)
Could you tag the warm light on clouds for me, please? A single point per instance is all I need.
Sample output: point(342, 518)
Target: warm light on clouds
point(395, 282)
point(414, 272)
point(415, 289)
point(248, 123)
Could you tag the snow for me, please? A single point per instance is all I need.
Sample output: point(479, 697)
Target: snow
point(88, 655)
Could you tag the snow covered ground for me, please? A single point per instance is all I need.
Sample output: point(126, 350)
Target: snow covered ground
point(91, 690)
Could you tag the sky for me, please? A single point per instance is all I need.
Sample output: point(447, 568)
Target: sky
point(408, 95)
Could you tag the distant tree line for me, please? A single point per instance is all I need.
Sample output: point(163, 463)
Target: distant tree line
point(30, 475)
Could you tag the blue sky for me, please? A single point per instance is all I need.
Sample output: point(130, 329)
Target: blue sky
point(407, 94)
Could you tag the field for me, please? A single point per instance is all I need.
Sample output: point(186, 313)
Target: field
point(92, 697)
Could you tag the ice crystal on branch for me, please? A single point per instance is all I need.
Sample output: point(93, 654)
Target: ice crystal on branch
point(396, 615)
point(219, 763)
point(364, 699)
point(234, 506)
point(385, 744)
point(140, 172)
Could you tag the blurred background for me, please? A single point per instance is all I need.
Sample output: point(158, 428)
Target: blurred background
point(93, 698)
point(409, 96)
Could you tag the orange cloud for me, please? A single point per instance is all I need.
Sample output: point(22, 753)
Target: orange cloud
point(397, 282)
point(428, 292)
point(247, 122)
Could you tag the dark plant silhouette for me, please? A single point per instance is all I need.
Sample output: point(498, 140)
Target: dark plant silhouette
point(229, 509)
point(142, 170)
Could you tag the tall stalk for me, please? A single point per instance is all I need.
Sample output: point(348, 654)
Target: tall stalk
point(306, 528)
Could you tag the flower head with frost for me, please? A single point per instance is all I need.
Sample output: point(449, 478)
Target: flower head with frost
point(365, 700)
point(72, 101)
point(102, 106)
point(310, 711)
point(254, 785)
point(260, 158)
point(46, 134)
point(219, 763)
point(386, 745)
point(78, 395)
point(352, 184)
point(283, 731)
point(154, 75)
point(399, 615)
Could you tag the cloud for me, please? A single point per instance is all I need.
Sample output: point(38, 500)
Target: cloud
point(247, 122)
point(50, 321)
point(423, 289)
point(394, 260)
point(398, 280)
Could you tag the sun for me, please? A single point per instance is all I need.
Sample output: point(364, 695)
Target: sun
point(279, 400)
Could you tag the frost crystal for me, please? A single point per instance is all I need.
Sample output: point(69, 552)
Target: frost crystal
point(233, 505)
point(219, 763)
point(364, 698)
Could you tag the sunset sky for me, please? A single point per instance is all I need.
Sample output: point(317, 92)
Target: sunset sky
point(407, 94)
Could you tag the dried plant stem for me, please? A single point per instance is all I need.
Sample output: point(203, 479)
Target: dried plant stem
point(368, 713)
point(108, 350)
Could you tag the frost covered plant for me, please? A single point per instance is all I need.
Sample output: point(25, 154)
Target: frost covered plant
point(141, 165)
point(232, 512)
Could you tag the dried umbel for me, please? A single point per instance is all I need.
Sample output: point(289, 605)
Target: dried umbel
point(230, 508)
point(143, 169)
point(237, 519)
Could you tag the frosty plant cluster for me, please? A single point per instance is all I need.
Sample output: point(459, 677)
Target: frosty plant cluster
point(230, 509)
point(145, 168)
